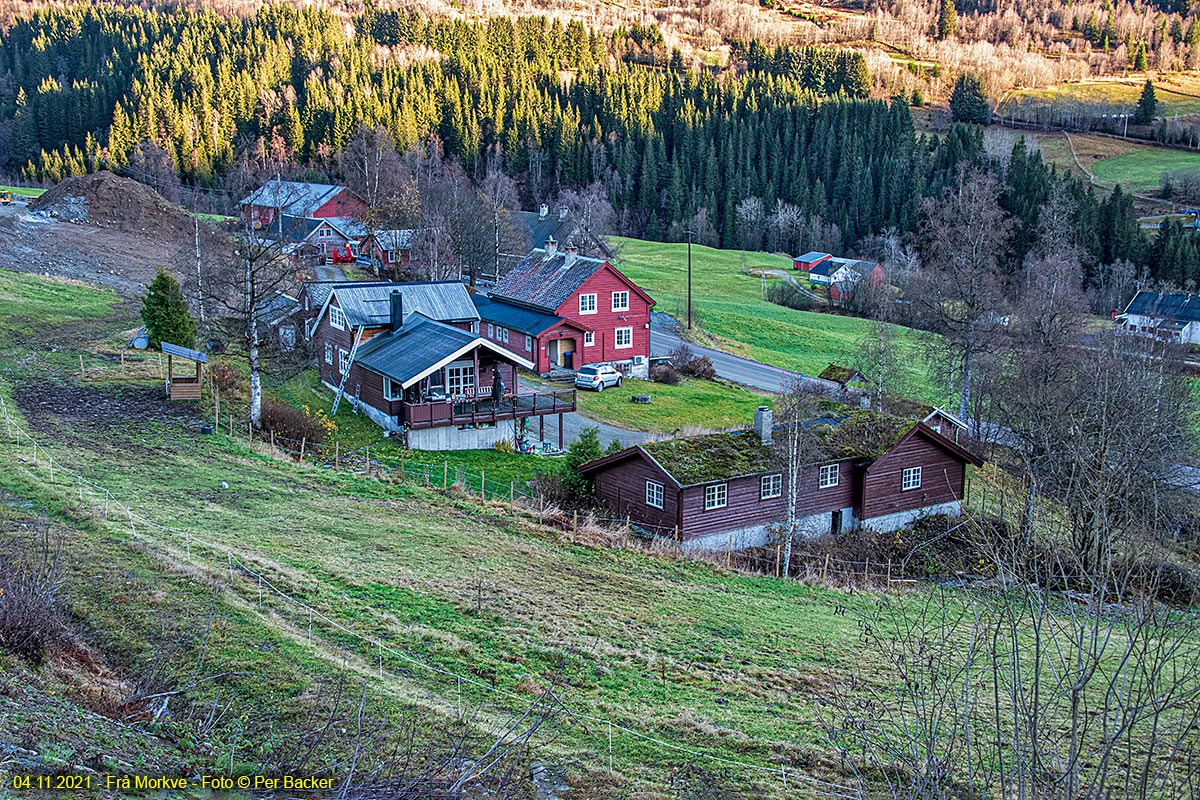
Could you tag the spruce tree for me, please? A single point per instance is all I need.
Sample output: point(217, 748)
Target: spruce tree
point(947, 23)
point(165, 313)
point(969, 102)
point(1147, 106)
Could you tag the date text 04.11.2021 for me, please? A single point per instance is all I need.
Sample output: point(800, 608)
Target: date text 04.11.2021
point(56, 783)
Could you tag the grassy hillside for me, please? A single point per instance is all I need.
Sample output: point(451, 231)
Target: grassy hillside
point(730, 308)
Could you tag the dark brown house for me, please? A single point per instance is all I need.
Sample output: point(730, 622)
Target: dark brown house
point(859, 470)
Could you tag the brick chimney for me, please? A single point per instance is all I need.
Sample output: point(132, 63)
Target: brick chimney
point(763, 425)
point(397, 309)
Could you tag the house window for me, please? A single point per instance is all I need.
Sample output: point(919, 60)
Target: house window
point(325, 233)
point(911, 479)
point(329, 352)
point(504, 334)
point(528, 344)
point(620, 301)
point(770, 486)
point(460, 381)
point(829, 476)
point(336, 318)
point(343, 361)
point(716, 496)
point(491, 331)
point(589, 339)
point(623, 338)
point(390, 256)
point(587, 304)
point(392, 390)
point(654, 494)
point(475, 328)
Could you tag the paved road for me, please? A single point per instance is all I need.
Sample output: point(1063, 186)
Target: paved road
point(737, 369)
point(804, 290)
point(574, 423)
point(329, 272)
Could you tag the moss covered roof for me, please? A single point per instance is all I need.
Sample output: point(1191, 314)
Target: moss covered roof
point(719, 456)
point(837, 374)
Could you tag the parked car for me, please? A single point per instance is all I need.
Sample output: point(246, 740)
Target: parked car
point(597, 376)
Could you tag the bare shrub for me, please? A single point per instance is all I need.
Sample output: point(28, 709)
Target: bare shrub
point(665, 373)
point(700, 367)
point(292, 423)
point(31, 615)
point(226, 378)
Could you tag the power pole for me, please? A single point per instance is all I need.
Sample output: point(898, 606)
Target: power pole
point(690, 233)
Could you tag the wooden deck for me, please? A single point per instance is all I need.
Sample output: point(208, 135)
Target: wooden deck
point(485, 410)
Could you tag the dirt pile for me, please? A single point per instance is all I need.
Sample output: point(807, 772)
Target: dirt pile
point(110, 201)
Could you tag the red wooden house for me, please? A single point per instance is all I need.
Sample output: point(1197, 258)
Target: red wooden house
point(562, 310)
point(867, 470)
point(387, 252)
point(408, 356)
point(285, 204)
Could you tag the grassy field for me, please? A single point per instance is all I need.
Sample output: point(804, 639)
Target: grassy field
point(1180, 95)
point(1143, 168)
point(24, 191)
point(691, 404)
point(730, 308)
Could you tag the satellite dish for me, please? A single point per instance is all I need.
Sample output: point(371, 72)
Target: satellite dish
point(140, 342)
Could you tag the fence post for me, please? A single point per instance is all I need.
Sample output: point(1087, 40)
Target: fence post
point(729, 551)
point(625, 544)
point(250, 431)
point(866, 571)
point(610, 767)
point(403, 471)
point(825, 569)
point(337, 454)
point(889, 574)
point(50, 461)
point(230, 416)
point(512, 491)
point(81, 366)
point(574, 526)
point(272, 444)
point(368, 461)
point(676, 554)
point(482, 484)
point(778, 554)
point(445, 475)
point(303, 443)
point(217, 411)
point(80, 488)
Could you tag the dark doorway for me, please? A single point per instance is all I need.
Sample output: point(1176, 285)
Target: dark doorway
point(835, 522)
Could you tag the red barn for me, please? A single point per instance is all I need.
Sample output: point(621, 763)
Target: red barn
point(287, 203)
point(561, 311)
point(809, 260)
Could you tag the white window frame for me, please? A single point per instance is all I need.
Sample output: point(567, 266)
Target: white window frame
point(829, 476)
point(716, 496)
point(392, 390)
point(491, 331)
point(589, 339)
point(617, 338)
point(770, 486)
point(910, 479)
point(622, 306)
point(325, 233)
point(389, 256)
point(475, 327)
point(343, 361)
point(528, 343)
point(654, 494)
point(587, 303)
point(459, 378)
point(329, 353)
point(337, 318)
point(504, 333)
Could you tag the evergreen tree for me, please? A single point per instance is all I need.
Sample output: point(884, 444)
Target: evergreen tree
point(947, 23)
point(1147, 106)
point(165, 313)
point(969, 101)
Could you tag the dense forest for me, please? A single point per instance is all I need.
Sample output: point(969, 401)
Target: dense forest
point(784, 151)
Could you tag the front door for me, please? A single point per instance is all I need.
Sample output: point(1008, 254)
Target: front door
point(566, 353)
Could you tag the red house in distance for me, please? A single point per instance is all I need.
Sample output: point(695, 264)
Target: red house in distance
point(561, 310)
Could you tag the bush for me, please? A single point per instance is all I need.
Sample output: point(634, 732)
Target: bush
point(700, 367)
point(786, 295)
point(504, 446)
point(665, 373)
point(296, 424)
point(31, 617)
point(226, 378)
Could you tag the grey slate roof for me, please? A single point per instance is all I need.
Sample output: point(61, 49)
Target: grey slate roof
point(184, 352)
point(292, 197)
point(1174, 306)
point(319, 291)
point(546, 283)
point(371, 304)
point(348, 227)
point(517, 318)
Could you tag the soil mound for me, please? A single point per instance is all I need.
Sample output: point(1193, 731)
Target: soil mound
point(110, 201)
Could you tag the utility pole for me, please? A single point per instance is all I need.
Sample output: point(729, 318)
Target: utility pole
point(690, 233)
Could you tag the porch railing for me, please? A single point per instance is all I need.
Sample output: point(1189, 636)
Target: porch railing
point(486, 409)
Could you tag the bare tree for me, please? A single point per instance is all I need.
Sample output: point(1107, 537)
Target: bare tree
point(370, 164)
point(961, 291)
point(153, 166)
point(592, 211)
point(500, 197)
point(751, 223)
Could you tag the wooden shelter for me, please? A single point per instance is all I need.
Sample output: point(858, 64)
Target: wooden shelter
point(184, 387)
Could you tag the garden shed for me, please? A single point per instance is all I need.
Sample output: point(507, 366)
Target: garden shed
point(183, 387)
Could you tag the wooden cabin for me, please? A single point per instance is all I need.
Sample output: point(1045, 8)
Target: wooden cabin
point(183, 387)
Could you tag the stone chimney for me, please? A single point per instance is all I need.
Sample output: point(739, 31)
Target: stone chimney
point(562, 213)
point(763, 426)
point(571, 252)
point(551, 246)
point(543, 211)
point(397, 309)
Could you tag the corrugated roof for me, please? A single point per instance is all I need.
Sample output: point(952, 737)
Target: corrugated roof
point(348, 227)
point(371, 304)
point(811, 256)
point(824, 268)
point(518, 318)
point(293, 197)
point(1175, 306)
point(546, 282)
point(184, 352)
point(400, 239)
point(319, 291)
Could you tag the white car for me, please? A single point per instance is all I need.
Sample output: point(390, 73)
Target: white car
point(597, 376)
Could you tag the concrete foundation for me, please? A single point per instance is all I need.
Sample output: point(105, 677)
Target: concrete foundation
point(762, 535)
point(454, 438)
point(891, 522)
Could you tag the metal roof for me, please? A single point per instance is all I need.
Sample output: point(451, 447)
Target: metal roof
point(348, 227)
point(546, 282)
point(399, 239)
point(811, 256)
point(277, 307)
point(1175, 306)
point(421, 346)
point(827, 267)
point(293, 197)
point(184, 352)
point(319, 291)
point(518, 318)
point(371, 304)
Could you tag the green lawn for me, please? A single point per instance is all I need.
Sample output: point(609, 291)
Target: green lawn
point(730, 308)
point(1143, 169)
point(24, 191)
point(1111, 93)
point(32, 303)
point(691, 404)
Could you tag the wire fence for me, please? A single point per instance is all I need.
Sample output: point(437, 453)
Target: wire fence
point(247, 581)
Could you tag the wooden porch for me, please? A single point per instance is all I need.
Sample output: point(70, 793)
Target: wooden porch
point(485, 410)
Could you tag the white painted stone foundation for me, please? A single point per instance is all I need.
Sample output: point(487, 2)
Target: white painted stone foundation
point(891, 522)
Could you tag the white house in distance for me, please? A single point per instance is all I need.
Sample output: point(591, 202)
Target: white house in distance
point(1172, 316)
